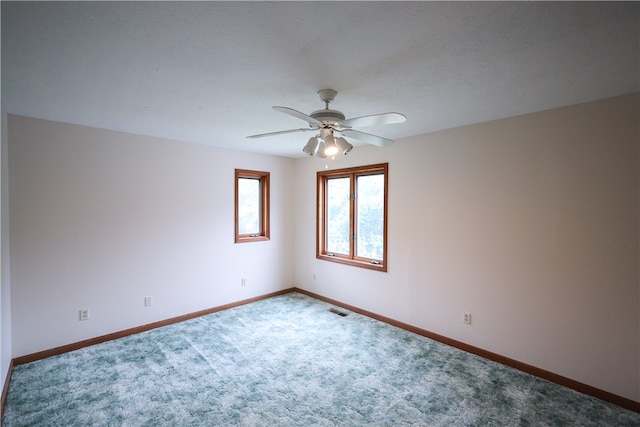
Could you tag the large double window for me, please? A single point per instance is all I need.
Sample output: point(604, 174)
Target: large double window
point(352, 216)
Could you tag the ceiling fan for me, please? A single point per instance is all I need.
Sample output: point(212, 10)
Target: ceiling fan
point(328, 121)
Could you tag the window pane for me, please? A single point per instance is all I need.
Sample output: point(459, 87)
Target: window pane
point(248, 206)
point(370, 216)
point(338, 215)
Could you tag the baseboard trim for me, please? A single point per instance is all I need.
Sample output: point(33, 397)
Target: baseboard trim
point(529, 369)
point(121, 334)
point(5, 388)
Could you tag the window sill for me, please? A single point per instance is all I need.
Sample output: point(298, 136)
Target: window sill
point(251, 239)
point(352, 262)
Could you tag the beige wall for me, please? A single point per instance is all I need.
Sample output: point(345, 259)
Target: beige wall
point(5, 276)
point(101, 219)
point(530, 223)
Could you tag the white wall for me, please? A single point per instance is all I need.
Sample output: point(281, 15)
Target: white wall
point(529, 223)
point(5, 277)
point(101, 219)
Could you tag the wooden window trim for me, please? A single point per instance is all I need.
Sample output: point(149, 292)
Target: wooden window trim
point(321, 200)
point(264, 178)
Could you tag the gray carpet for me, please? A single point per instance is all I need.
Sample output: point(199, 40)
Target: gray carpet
point(289, 361)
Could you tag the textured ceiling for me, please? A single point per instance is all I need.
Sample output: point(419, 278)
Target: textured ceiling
point(209, 72)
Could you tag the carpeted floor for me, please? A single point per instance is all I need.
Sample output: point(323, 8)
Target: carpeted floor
point(289, 361)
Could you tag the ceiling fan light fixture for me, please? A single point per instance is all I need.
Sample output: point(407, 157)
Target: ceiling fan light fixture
point(329, 147)
point(322, 149)
point(312, 145)
point(343, 146)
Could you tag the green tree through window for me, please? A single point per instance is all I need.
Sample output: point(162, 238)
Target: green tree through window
point(249, 201)
point(338, 193)
point(370, 216)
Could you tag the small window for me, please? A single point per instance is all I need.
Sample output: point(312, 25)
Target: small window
point(352, 216)
point(252, 206)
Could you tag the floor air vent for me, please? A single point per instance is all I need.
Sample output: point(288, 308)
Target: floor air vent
point(338, 312)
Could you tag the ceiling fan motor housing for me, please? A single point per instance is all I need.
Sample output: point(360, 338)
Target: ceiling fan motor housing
point(326, 115)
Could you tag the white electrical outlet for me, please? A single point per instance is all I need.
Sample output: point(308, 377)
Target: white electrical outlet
point(83, 314)
point(148, 301)
point(466, 318)
point(243, 282)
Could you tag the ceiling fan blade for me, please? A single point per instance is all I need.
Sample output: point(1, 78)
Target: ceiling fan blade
point(367, 137)
point(299, 115)
point(281, 132)
point(375, 119)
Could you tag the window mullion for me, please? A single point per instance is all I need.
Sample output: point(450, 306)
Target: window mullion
point(352, 221)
